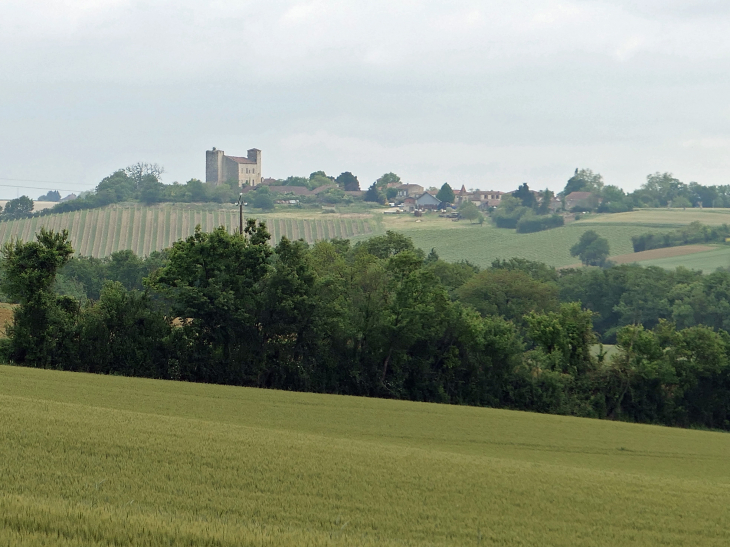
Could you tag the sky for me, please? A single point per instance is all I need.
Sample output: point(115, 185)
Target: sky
point(486, 94)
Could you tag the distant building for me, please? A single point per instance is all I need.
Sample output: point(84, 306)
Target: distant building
point(584, 200)
point(409, 204)
point(220, 168)
point(409, 190)
point(427, 201)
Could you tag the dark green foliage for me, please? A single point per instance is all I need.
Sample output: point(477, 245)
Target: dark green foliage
point(469, 211)
point(53, 195)
point(374, 194)
point(529, 223)
point(510, 293)
point(525, 195)
point(262, 199)
point(42, 331)
point(584, 180)
point(386, 179)
point(509, 212)
point(696, 232)
point(592, 249)
point(546, 197)
point(348, 182)
point(18, 207)
point(536, 270)
point(446, 194)
point(124, 333)
point(380, 319)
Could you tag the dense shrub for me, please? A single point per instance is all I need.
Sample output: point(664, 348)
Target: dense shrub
point(536, 223)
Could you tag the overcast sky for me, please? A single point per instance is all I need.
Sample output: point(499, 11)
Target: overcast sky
point(486, 94)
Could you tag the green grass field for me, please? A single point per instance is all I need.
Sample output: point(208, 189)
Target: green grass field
point(95, 460)
point(707, 261)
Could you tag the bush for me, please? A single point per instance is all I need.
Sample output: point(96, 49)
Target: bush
point(536, 223)
point(694, 233)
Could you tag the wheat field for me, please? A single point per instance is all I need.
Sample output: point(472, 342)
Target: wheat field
point(99, 460)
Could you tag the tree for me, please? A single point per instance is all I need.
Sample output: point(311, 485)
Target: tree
point(215, 284)
point(124, 333)
point(262, 199)
point(119, 186)
point(584, 180)
point(446, 194)
point(509, 293)
point(151, 190)
point(196, 190)
point(546, 197)
point(53, 195)
point(682, 202)
point(42, 331)
point(592, 249)
point(525, 195)
point(386, 179)
point(19, 206)
point(140, 170)
point(469, 211)
point(349, 182)
point(374, 194)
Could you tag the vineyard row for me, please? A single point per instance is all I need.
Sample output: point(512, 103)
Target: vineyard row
point(100, 232)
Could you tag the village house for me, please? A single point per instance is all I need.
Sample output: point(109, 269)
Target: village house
point(585, 200)
point(427, 201)
point(409, 190)
point(409, 204)
point(220, 168)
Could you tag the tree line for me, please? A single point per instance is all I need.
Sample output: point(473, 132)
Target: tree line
point(379, 318)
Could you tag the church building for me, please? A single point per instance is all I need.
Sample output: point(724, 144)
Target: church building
point(220, 168)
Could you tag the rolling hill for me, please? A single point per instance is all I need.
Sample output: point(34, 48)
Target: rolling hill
point(143, 229)
point(105, 460)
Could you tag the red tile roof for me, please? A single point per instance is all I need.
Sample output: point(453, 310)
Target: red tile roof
point(240, 160)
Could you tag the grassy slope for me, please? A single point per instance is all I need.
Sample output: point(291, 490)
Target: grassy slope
point(145, 229)
point(93, 460)
point(707, 261)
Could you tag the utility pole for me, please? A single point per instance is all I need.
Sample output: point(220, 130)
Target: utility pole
point(240, 214)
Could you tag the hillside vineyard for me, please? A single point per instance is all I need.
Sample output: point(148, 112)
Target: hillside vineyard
point(100, 232)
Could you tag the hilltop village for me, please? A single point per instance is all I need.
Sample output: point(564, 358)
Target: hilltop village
point(246, 173)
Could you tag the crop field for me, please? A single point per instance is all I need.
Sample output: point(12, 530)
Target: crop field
point(707, 261)
point(100, 232)
point(662, 217)
point(483, 244)
point(665, 252)
point(103, 460)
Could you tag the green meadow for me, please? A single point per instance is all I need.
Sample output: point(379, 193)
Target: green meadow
point(99, 460)
point(707, 261)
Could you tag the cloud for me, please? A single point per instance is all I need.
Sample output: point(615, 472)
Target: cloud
point(527, 87)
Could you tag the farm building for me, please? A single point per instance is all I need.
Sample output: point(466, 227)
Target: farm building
point(427, 201)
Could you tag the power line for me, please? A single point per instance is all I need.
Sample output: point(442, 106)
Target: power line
point(36, 180)
point(36, 187)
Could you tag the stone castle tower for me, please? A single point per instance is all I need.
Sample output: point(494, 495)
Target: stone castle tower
point(220, 168)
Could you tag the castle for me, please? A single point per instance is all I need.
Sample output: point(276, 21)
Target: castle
point(220, 168)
